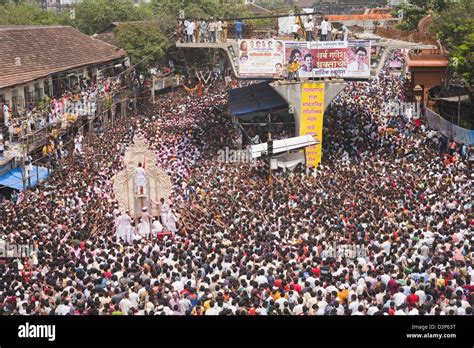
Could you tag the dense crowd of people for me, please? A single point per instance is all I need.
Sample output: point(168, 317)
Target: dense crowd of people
point(80, 100)
point(386, 186)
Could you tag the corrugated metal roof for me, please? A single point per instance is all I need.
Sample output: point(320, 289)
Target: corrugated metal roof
point(257, 97)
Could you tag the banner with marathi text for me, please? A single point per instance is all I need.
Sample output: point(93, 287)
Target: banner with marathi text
point(261, 57)
point(312, 115)
point(344, 59)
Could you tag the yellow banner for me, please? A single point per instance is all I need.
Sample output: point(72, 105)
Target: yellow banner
point(312, 115)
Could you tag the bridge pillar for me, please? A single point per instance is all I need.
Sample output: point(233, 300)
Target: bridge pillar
point(290, 91)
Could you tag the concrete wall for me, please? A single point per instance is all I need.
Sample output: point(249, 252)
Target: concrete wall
point(7, 93)
point(291, 93)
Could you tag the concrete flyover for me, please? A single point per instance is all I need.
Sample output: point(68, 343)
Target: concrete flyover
point(290, 91)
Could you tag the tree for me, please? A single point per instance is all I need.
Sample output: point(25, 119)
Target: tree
point(412, 14)
point(195, 9)
point(271, 4)
point(144, 43)
point(26, 14)
point(91, 16)
point(417, 9)
point(454, 26)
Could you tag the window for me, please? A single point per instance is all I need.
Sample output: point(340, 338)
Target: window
point(28, 95)
point(48, 88)
point(15, 101)
point(38, 91)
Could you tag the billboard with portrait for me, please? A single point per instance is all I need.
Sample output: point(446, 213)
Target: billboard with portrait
point(261, 58)
point(344, 59)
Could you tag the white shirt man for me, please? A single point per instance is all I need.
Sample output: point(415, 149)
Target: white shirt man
point(353, 306)
point(125, 305)
point(372, 310)
point(261, 279)
point(219, 30)
point(164, 210)
point(5, 115)
point(123, 223)
point(212, 311)
point(281, 302)
point(184, 305)
point(421, 295)
point(78, 144)
point(145, 228)
point(400, 312)
point(156, 227)
point(129, 234)
point(190, 28)
point(140, 175)
point(324, 27)
point(63, 309)
point(309, 26)
point(295, 28)
point(399, 298)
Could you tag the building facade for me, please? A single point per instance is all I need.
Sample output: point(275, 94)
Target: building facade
point(39, 61)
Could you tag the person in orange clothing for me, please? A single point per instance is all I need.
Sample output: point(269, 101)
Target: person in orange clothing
point(198, 310)
point(293, 68)
point(343, 292)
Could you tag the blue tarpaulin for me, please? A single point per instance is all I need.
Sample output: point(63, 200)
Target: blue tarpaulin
point(257, 97)
point(14, 179)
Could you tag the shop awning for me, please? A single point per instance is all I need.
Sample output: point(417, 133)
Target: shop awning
point(254, 98)
point(14, 179)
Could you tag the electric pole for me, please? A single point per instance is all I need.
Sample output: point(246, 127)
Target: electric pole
point(270, 150)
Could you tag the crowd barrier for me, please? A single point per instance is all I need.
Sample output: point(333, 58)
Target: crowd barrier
point(448, 129)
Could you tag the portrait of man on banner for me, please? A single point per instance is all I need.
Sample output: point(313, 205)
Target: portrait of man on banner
point(357, 61)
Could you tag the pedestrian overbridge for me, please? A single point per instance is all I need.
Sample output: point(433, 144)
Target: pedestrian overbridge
point(230, 50)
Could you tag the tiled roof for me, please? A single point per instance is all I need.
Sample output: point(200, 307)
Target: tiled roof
point(30, 52)
point(107, 37)
point(255, 9)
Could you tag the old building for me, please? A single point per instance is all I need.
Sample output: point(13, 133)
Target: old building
point(38, 61)
point(427, 68)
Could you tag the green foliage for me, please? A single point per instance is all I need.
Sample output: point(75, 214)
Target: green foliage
point(454, 26)
point(144, 42)
point(195, 9)
point(26, 14)
point(411, 16)
point(464, 55)
point(271, 4)
point(107, 103)
point(91, 16)
point(41, 104)
point(263, 23)
point(417, 9)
